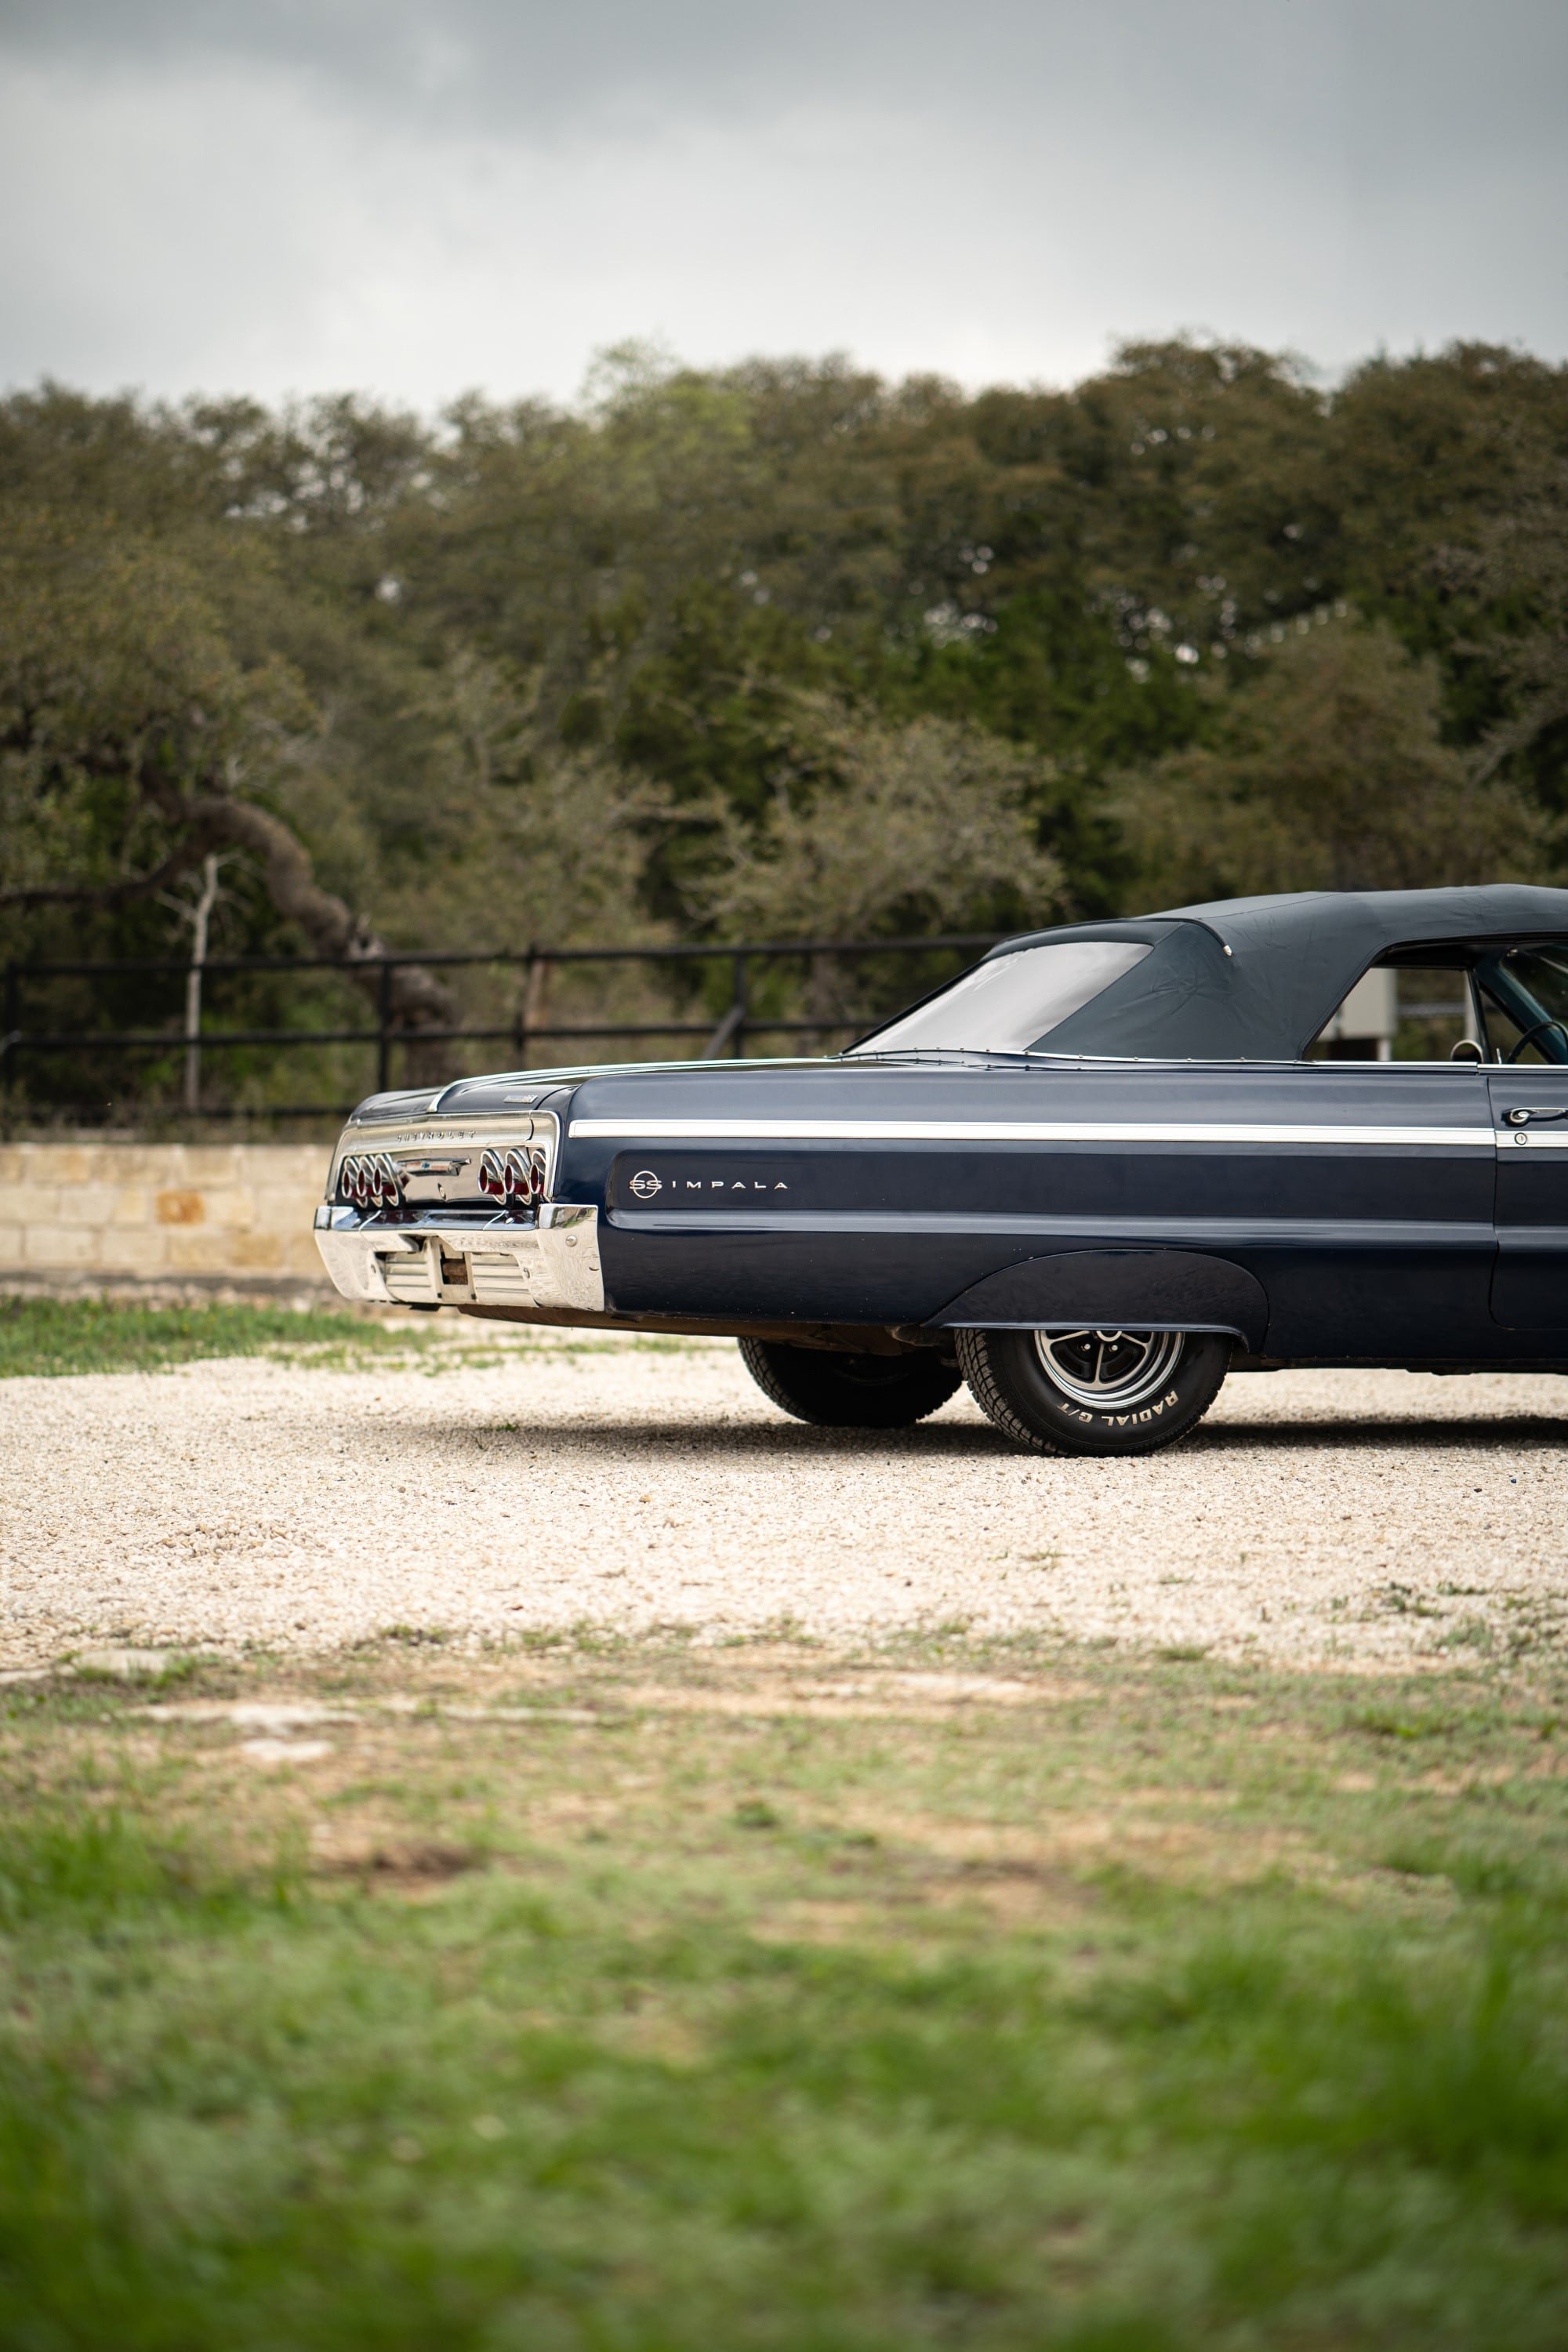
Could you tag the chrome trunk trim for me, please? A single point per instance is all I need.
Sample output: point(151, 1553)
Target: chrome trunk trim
point(436, 1160)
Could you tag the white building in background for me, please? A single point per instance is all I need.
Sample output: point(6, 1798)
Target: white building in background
point(1362, 1029)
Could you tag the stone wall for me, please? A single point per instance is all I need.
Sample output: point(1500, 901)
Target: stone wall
point(189, 1214)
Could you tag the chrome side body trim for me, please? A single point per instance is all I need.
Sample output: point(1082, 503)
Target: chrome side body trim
point(1111, 1230)
point(554, 1264)
point(967, 1131)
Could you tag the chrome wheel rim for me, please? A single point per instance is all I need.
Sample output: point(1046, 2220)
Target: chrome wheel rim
point(1109, 1371)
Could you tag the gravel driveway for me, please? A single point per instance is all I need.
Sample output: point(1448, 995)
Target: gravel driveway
point(1371, 1519)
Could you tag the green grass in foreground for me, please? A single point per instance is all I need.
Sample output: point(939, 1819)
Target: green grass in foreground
point(761, 1998)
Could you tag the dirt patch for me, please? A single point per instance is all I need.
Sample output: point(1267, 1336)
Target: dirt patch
point(403, 1864)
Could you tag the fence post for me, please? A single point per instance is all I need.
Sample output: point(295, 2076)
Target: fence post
point(519, 1014)
point(535, 1003)
point(737, 1007)
point(199, 916)
point(10, 1024)
point(384, 1029)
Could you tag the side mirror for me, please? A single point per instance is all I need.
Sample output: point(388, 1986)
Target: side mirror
point(1467, 1050)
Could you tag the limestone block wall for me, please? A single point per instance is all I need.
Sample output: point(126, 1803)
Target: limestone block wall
point(160, 1212)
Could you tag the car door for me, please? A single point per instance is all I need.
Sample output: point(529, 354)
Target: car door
point(1377, 1239)
point(1530, 1123)
point(1525, 993)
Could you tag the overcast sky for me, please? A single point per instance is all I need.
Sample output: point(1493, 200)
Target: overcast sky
point(420, 196)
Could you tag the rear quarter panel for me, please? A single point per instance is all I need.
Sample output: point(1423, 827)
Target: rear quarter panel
point(1357, 1195)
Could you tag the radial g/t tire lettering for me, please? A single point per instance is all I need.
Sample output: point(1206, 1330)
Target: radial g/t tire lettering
point(1010, 1377)
point(845, 1392)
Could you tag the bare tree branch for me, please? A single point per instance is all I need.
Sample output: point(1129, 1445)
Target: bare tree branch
point(415, 999)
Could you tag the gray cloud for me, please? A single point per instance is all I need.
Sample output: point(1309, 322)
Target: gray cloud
point(279, 196)
point(1404, 75)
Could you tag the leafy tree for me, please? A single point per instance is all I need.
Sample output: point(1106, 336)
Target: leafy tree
point(1525, 564)
point(1329, 773)
point(912, 828)
point(133, 744)
point(713, 649)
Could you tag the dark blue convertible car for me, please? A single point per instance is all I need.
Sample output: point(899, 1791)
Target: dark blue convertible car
point(1107, 1165)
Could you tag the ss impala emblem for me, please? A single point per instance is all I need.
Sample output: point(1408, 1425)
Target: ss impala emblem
point(645, 1185)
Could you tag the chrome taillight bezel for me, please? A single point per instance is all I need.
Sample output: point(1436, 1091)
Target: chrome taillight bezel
point(513, 1176)
point(370, 1180)
point(433, 1168)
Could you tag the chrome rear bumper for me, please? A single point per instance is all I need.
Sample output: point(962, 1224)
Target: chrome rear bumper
point(553, 1264)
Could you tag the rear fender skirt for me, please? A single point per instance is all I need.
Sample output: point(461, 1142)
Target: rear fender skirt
point(1141, 1290)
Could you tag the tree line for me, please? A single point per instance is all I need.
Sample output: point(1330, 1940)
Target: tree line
point(777, 649)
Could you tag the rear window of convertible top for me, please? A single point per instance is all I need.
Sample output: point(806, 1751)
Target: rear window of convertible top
point(1010, 1004)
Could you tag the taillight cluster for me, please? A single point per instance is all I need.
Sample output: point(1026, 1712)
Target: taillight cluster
point(515, 1177)
point(370, 1181)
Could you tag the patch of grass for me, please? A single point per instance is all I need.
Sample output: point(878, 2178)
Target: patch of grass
point(1100, 2019)
point(88, 1868)
point(51, 1336)
point(1421, 1721)
point(56, 1336)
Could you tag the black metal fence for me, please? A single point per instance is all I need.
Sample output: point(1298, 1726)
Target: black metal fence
point(732, 1031)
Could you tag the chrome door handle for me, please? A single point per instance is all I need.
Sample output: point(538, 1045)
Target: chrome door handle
point(1525, 1114)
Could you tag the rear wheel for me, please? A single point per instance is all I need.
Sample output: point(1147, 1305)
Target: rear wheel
point(1094, 1391)
point(843, 1391)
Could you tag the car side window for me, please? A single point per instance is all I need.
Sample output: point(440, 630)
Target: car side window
point(1409, 1013)
point(1524, 998)
point(1504, 1002)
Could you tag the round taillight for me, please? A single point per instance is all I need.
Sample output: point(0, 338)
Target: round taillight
point(492, 1175)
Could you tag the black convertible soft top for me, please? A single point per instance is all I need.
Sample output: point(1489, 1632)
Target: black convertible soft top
point(1255, 979)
